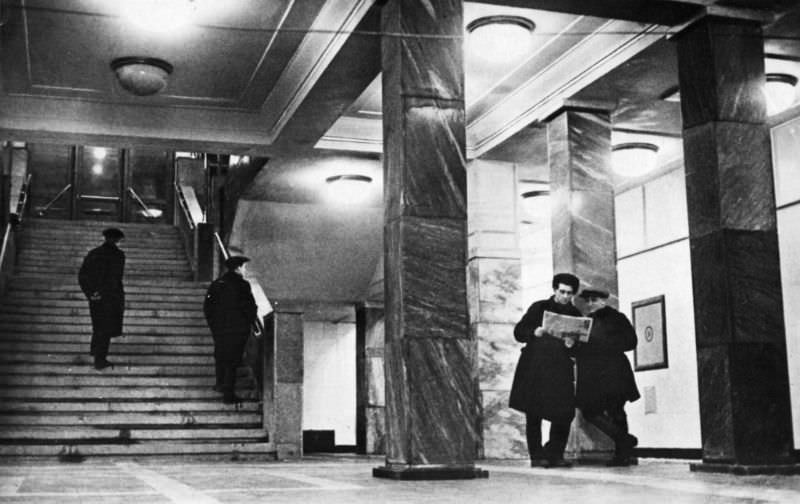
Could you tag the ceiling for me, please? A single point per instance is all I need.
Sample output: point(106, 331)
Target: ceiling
point(298, 81)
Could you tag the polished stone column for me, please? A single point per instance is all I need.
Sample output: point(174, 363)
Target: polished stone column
point(493, 290)
point(287, 378)
point(745, 412)
point(431, 379)
point(370, 380)
point(582, 204)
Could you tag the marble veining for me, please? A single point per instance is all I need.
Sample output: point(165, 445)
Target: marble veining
point(494, 285)
point(498, 353)
point(503, 428)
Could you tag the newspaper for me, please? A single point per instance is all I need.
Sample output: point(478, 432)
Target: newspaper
point(567, 326)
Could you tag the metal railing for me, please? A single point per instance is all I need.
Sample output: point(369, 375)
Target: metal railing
point(147, 212)
point(8, 250)
point(40, 212)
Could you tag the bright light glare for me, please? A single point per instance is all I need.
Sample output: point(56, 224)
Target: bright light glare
point(780, 94)
point(97, 169)
point(348, 189)
point(502, 43)
point(634, 159)
point(160, 16)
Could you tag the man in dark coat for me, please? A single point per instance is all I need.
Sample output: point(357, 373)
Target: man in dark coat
point(605, 378)
point(100, 278)
point(543, 386)
point(230, 311)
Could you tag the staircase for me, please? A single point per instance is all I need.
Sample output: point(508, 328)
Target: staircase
point(157, 400)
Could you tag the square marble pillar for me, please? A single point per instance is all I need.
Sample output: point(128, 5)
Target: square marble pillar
point(741, 347)
point(584, 243)
point(287, 365)
point(493, 290)
point(370, 380)
point(432, 428)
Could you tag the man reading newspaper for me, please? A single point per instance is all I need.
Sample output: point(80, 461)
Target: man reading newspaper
point(567, 327)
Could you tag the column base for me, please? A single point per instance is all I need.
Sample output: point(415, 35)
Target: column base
point(745, 469)
point(404, 472)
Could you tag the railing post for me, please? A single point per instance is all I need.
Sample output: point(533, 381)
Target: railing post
point(205, 252)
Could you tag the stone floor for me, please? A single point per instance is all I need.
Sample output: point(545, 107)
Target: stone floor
point(349, 480)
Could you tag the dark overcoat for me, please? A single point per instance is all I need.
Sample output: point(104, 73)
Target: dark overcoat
point(605, 377)
point(230, 311)
point(544, 379)
point(101, 272)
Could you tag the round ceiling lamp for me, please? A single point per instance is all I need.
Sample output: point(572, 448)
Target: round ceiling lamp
point(141, 76)
point(500, 39)
point(634, 159)
point(348, 189)
point(781, 92)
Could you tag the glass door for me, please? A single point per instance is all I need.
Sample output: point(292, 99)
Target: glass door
point(98, 181)
point(149, 190)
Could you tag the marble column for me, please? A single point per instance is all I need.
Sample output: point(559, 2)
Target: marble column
point(745, 413)
point(287, 377)
point(582, 205)
point(432, 428)
point(370, 380)
point(493, 290)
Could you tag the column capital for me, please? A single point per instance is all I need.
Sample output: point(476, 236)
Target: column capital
point(572, 105)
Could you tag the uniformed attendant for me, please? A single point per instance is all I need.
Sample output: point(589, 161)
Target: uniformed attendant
point(100, 278)
point(605, 378)
point(230, 311)
point(543, 386)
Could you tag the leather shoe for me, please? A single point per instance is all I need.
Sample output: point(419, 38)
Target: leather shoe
point(231, 399)
point(539, 462)
point(619, 462)
point(560, 462)
point(103, 364)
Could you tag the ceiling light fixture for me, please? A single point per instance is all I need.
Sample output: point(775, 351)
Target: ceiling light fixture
point(781, 92)
point(634, 159)
point(141, 76)
point(348, 189)
point(502, 39)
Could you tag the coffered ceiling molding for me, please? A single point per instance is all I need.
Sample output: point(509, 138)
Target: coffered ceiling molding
point(357, 134)
point(325, 37)
point(609, 45)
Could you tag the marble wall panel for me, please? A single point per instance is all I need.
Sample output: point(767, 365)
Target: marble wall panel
point(762, 415)
point(431, 260)
point(289, 417)
point(427, 178)
point(376, 382)
point(712, 291)
point(398, 427)
point(429, 55)
point(289, 347)
point(503, 428)
point(443, 401)
point(720, 69)
point(498, 353)
point(702, 179)
point(376, 430)
point(493, 292)
point(716, 411)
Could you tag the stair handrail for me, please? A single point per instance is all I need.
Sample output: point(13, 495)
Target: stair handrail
point(258, 326)
point(50, 203)
point(181, 198)
point(147, 211)
point(8, 247)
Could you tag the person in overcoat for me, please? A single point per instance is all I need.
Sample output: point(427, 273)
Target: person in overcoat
point(230, 311)
point(100, 279)
point(605, 378)
point(543, 386)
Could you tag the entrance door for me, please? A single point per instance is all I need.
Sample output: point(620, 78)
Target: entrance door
point(98, 183)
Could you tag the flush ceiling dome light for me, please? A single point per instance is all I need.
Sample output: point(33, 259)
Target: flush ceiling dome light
point(781, 92)
point(348, 189)
point(502, 38)
point(141, 76)
point(634, 159)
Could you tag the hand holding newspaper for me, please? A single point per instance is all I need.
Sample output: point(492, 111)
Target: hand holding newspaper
point(567, 326)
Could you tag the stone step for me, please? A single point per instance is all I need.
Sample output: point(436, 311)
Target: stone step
point(130, 339)
point(130, 319)
point(135, 435)
point(9, 327)
point(81, 308)
point(120, 394)
point(140, 262)
point(77, 301)
point(70, 283)
point(118, 356)
point(183, 274)
point(45, 223)
point(96, 379)
point(67, 368)
point(118, 346)
point(132, 294)
point(132, 418)
point(77, 452)
point(36, 406)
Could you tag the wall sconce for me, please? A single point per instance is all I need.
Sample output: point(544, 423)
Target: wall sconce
point(348, 189)
point(502, 38)
point(634, 159)
point(141, 76)
point(781, 92)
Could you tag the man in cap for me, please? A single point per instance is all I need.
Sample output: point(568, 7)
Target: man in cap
point(230, 311)
point(605, 378)
point(543, 386)
point(100, 279)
